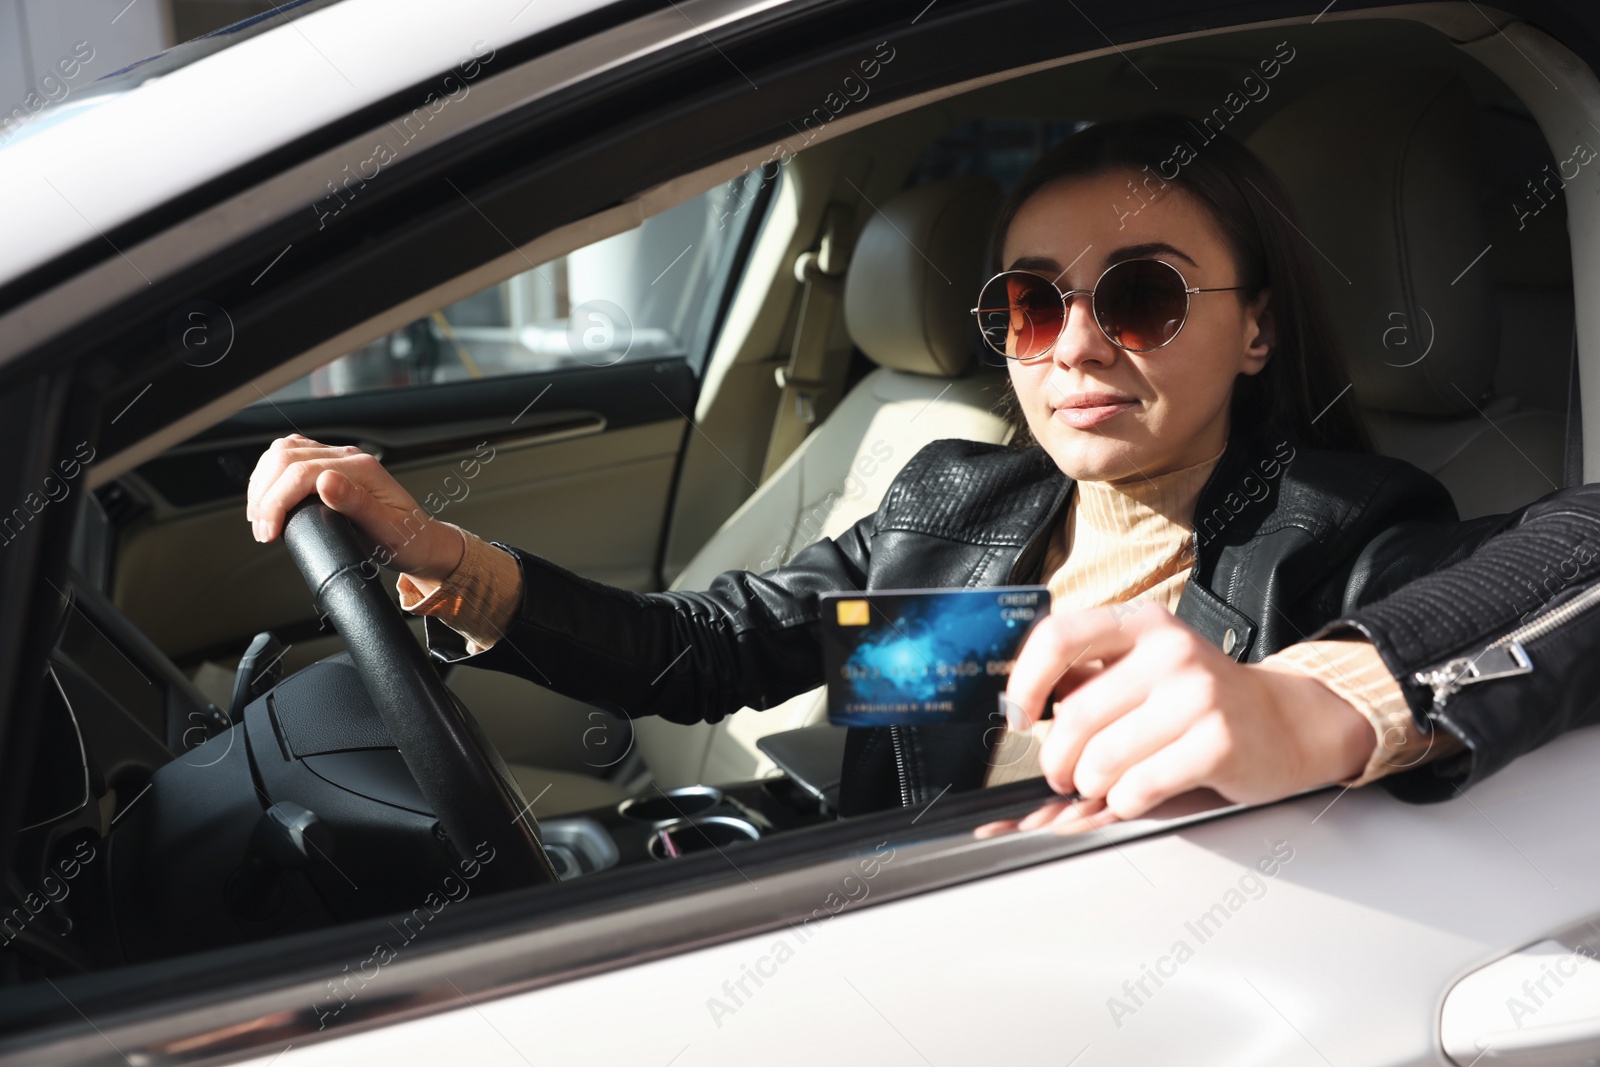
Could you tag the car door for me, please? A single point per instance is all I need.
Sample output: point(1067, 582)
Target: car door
point(937, 938)
point(1331, 928)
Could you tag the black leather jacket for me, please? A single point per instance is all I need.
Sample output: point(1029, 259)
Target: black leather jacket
point(1291, 543)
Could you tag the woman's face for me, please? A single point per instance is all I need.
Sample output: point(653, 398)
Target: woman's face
point(1106, 414)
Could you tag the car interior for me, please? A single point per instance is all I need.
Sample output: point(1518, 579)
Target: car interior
point(715, 411)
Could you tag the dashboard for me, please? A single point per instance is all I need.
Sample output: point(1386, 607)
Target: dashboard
point(113, 710)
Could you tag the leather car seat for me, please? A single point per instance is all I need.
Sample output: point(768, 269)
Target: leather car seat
point(1383, 171)
point(912, 277)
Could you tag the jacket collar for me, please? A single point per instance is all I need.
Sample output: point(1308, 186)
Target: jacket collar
point(1242, 482)
point(1231, 505)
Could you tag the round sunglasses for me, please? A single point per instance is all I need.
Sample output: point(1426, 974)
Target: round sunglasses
point(1139, 304)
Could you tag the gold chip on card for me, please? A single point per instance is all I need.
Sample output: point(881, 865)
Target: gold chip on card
point(854, 613)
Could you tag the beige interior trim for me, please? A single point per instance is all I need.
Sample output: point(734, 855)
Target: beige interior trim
point(770, 257)
point(194, 578)
point(1563, 95)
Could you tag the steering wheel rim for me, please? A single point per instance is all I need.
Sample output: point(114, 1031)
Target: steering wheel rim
point(461, 775)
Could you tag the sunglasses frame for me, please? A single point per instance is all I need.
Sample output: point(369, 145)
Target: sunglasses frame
point(1067, 294)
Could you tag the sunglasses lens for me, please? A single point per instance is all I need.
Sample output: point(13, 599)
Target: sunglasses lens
point(1020, 315)
point(1141, 303)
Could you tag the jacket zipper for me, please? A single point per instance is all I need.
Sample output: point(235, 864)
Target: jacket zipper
point(900, 766)
point(895, 736)
point(1503, 658)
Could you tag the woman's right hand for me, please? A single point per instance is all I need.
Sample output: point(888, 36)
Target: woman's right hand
point(358, 487)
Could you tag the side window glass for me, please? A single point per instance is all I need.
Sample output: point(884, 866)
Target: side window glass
point(641, 294)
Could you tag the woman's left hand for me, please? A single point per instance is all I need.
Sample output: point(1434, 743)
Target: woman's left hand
point(1166, 712)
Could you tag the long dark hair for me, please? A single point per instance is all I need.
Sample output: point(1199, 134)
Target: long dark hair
point(1295, 393)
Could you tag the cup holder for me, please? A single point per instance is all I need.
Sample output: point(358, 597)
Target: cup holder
point(674, 804)
point(683, 836)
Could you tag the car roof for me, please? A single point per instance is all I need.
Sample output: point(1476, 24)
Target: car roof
point(144, 135)
point(168, 125)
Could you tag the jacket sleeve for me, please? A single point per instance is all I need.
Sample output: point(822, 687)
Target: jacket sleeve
point(1482, 580)
point(749, 640)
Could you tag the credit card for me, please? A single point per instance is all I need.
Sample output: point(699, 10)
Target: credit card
point(920, 656)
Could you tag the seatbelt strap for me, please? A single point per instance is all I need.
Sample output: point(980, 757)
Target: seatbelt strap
point(804, 379)
point(822, 274)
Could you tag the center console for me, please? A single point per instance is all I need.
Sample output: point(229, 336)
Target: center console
point(659, 826)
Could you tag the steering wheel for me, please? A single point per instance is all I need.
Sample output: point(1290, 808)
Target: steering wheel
point(459, 772)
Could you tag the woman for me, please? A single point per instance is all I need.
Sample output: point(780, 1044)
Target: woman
point(1191, 455)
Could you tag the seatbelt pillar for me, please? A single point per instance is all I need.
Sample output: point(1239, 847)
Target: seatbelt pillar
point(803, 379)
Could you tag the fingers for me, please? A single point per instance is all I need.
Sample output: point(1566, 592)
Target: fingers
point(998, 828)
point(1058, 816)
point(356, 485)
point(337, 490)
point(1115, 714)
point(286, 489)
point(1103, 758)
point(1059, 642)
point(298, 474)
point(1187, 763)
point(1069, 817)
point(1082, 816)
point(1091, 708)
point(277, 457)
point(271, 464)
point(1119, 715)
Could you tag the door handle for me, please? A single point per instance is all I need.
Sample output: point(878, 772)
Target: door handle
point(1537, 1006)
point(397, 449)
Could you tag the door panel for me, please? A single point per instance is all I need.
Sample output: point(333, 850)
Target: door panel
point(194, 579)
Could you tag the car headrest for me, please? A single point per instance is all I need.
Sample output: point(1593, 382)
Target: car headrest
point(915, 274)
point(1381, 169)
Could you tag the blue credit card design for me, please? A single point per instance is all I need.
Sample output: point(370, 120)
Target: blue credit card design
point(920, 656)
